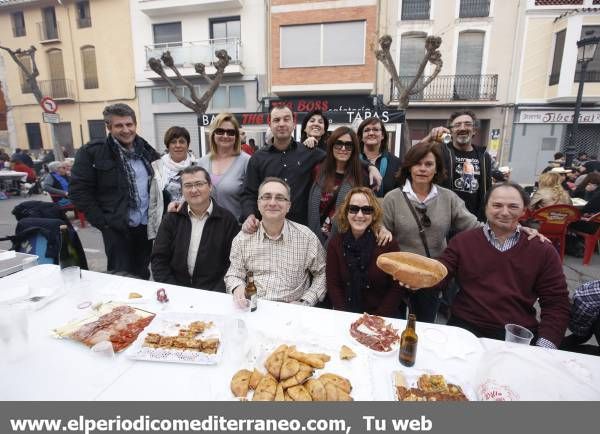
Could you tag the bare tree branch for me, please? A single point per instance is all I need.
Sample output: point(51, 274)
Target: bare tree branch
point(30, 76)
point(197, 104)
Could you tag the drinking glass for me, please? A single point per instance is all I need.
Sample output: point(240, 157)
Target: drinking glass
point(517, 334)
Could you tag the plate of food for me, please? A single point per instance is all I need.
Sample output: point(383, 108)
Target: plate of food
point(303, 372)
point(375, 334)
point(181, 337)
point(417, 385)
point(120, 324)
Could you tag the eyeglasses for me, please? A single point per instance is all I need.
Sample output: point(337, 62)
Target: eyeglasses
point(198, 185)
point(366, 210)
point(222, 132)
point(462, 124)
point(267, 197)
point(338, 145)
point(371, 130)
point(425, 220)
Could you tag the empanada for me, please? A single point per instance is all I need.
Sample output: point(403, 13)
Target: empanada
point(316, 389)
point(346, 353)
point(310, 359)
point(274, 362)
point(255, 378)
point(266, 389)
point(338, 381)
point(240, 382)
point(331, 392)
point(289, 368)
point(299, 393)
point(304, 373)
point(279, 393)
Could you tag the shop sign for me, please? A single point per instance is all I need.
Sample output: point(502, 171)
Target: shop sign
point(558, 117)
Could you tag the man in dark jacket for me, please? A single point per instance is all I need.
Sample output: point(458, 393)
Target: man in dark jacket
point(468, 167)
point(192, 245)
point(110, 183)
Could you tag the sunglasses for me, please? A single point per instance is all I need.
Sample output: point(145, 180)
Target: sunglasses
point(338, 145)
point(425, 220)
point(366, 210)
point(222, 132)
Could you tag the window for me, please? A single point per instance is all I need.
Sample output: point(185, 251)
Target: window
point(49, 25)
point(233, 96)
point(474, 8)
point(58, 83)
point(90, 72)
point(415, 9)
point(412, 49)
point(325, 44)
point(18, 23)
point(167, 33)
point(468, 65)
point(159, 95)
point(84, 19)
point(592, 73)
point(559, 47)
point(97, 129)
point(225, 28)
point(34, 135)
point(26, 61)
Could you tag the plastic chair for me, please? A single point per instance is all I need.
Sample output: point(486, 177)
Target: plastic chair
point(590, 240)
point(554, 221)
point(78, 214)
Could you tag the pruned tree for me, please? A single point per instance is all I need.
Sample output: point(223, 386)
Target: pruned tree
point(197, 104)
point(432, 55)
point(31, 80)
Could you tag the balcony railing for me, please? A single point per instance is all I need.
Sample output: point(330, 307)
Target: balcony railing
point(558, 2)
point(189, 53)
point(474, 8)
point(415, 9)
point(454, 88)
point(48, 32)
point(60, 88)
point(590, 76)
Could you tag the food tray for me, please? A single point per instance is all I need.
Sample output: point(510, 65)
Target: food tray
point(412, 376)
point(168, 323)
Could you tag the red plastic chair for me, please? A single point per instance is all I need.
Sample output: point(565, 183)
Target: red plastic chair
point(78, 214)
point(590, 240)
point(554, 221)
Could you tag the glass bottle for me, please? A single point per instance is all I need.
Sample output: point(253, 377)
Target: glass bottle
point(408, 343)
point(250, 291)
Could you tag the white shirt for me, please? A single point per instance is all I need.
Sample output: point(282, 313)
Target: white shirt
point(412, 195)
point(198, 223)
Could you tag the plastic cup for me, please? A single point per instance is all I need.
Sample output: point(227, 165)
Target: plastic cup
point(104, 349)
point(14, 331)
point(71, 277)
point(517, 334)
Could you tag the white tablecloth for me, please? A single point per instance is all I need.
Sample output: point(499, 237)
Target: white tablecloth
point(48, 368)
point(7, 175)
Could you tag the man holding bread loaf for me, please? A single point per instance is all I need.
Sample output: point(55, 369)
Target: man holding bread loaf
point(502, 275)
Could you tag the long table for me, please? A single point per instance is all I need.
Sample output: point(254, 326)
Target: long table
point(48, 368)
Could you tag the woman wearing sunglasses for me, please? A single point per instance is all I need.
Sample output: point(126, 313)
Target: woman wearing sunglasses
point(421, 214)
point(226, 163)
point(354, 282)
point(165, 186)
point(333, 179)
point(314, 130)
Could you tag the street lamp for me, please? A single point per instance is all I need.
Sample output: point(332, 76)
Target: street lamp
point(586, 49)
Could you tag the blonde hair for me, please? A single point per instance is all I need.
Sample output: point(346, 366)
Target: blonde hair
point(553, 181)
point(216, 123)
point(342, 213)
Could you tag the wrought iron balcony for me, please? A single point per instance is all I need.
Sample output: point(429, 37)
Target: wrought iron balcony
point(60, 88)
point(474, 8)
point(189, 53)
point(415, 9)
point(590, 76)
point(453, 88)
point(48, 32)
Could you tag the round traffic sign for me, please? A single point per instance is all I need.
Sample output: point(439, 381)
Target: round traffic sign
point(49, 105)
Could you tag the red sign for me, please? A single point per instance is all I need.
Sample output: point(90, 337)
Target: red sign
point(49, 105)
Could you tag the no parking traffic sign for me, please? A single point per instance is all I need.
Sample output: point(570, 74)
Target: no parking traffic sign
point(49, 105)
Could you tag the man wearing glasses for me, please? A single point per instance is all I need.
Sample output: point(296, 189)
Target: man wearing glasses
point(468, 167)
point(192, 245)
point(286, 258)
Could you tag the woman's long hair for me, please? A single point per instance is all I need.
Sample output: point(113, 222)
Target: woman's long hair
point(552, 181)
point(352, 171)
point(324, 137)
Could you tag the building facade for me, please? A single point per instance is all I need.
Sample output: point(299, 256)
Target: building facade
point(547, 82)
point(192, 31)
point(83, 54)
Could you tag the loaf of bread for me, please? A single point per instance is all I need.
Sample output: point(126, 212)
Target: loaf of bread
point(413, 270)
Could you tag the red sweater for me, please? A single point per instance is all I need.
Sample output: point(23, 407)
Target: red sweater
point(501, 287)
point(383, 295)
point(22, 167)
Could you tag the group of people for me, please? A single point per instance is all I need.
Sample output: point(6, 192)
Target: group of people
point(309, 219)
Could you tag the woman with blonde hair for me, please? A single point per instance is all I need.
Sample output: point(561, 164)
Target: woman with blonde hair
point(549, 192)
point(354, 282)
point(226, 163)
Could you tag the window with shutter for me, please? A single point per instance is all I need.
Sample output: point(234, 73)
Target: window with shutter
point(559, 47)
point(468, 65)
point(90, 71)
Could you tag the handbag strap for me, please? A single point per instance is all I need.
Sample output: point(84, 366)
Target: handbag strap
point(419, 224)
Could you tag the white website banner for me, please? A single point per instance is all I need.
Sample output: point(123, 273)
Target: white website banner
point(558, 117)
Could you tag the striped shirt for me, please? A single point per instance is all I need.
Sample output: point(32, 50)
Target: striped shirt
point(509, 243)
point(290, 267)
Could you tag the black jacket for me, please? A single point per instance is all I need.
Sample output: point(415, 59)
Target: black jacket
point(485, 164)
point(170, 251)
point(99, 185)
